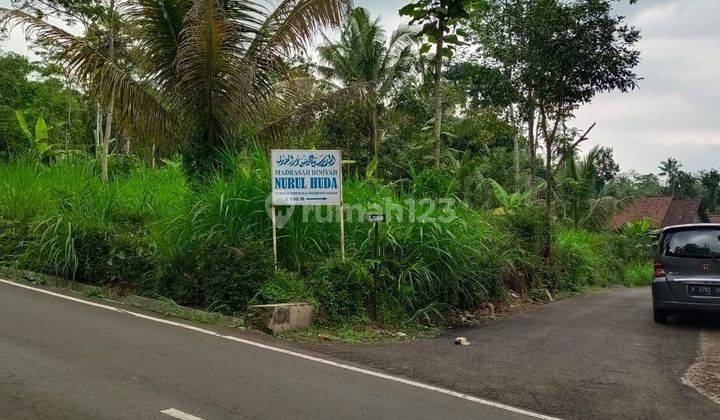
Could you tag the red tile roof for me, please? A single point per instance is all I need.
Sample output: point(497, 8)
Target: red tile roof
point(653, 208)
point(685, 211)
point(662, 211)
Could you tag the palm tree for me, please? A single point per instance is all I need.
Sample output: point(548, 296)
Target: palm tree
point(670, 168)
point(579, 181)
point(365, 61)
point(577, 186)
point(207, 67)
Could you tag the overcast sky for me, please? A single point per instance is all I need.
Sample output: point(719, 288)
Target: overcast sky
point(676, 110)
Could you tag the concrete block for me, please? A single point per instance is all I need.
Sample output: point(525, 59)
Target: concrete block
point(281, 317)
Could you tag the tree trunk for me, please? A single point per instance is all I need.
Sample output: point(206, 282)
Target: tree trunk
point(98, 131)
point(550, 179)
point(438, 100)
point(153, 154)
point(111, 106)
point(126, 145)
point(532, 147)
point(516, 159)
point(374, 131)
point(105, 151)
point(67, 129)
point(576, 211)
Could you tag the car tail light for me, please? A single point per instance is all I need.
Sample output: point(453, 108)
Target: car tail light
point(659, 270)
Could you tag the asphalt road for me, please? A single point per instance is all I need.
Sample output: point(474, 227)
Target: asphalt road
point(64, 359)
point(598, 355)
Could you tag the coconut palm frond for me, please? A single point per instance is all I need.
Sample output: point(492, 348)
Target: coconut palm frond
point(341, 63)
point(206, 67)
point(293, 22)
point(142, 106)
point(364, 56)
point(601, 210)
point(298, 115)
point(209, 53)
point(587, 168)
point(157, 27)
point(398, 56)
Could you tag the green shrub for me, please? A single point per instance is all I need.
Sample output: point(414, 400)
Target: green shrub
point(433, 183)
point(635, 240)
point(218, 275)
point(526, 227)
point(123, 260)
point(13, 235)
point(529, 225)
point(569, 270)
point(341, 288)
point(283, 287)
point(132, 259)
point(484, 282)
point(639, 273)
point(206, 242)
point(584, 259)
point(122, 164)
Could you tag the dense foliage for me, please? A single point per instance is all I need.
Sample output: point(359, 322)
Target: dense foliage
point(38, 91)
point(134, 154)
point(207, 244)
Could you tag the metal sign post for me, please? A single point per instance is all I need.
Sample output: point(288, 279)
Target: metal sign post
point(342, 230)
point(341, 216)
point(306, 178)
point(375, 219)
point(274, 237)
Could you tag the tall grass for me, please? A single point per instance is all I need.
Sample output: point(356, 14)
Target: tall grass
point(207, 242)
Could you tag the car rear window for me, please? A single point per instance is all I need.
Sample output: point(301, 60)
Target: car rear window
point(697, 243)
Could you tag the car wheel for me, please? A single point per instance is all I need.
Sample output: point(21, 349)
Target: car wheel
point(660, 316)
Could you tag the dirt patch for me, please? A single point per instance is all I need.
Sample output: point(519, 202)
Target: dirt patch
point(704, 374)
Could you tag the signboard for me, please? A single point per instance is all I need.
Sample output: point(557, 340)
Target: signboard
point(375, 218)
point(306, 177)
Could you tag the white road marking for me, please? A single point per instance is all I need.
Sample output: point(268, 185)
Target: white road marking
point(296, 354)
point(174, 412)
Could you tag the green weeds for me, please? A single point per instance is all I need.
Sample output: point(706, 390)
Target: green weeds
point(207, 243)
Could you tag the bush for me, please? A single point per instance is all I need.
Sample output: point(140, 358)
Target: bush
point(447, 263)
point(217, 275)
point(283, 287)
point(584, 259)
point(122, 164)
point(484, 282)
point(340, 288)
point(12, 237)
point(206, 242)
point(122, 261)
point(635, 240)
point(529, 225)
point(639, 273)
point(433, 183)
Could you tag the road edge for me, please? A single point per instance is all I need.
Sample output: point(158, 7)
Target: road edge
point(292, 353)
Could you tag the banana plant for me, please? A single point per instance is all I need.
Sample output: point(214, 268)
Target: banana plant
point(509, 202)
point(39, 142)
point(641, 235)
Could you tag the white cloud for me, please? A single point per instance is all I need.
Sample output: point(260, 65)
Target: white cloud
point(676, 108)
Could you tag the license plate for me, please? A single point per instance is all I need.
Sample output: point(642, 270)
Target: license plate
point(704, 290)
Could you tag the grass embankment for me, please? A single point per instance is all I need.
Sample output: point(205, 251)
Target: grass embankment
point(207, 243)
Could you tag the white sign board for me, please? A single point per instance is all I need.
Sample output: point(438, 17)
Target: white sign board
point(306, 177)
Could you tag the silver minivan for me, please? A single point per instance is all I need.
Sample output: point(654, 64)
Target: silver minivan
point(687, 271)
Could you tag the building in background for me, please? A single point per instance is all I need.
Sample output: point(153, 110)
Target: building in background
point(662, 211)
